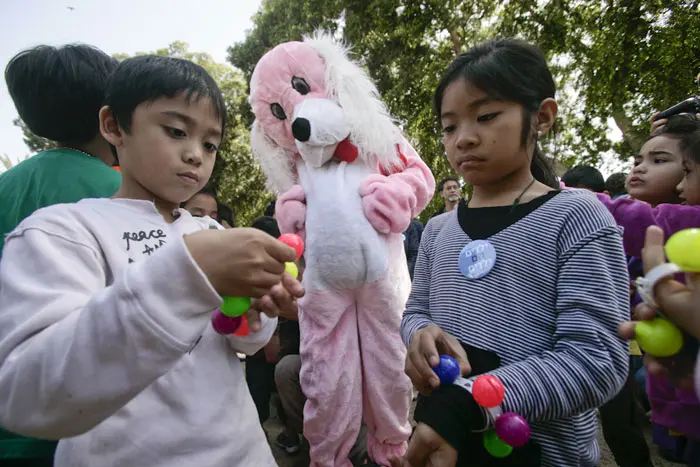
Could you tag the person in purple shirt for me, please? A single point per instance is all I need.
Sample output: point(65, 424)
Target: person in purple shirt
point(666, 172)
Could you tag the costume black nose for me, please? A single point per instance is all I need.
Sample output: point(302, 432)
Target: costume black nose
point(301, 129)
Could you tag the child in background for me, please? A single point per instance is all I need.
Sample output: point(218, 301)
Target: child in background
point(669, 156)
point(42, 83)
point(585, 177)
point(105, 334)
point(615, 186)
point(58, 93)
point(529, 311)
point(203, 204)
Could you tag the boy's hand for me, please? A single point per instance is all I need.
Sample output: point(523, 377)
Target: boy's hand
point(426, 448)
point(424, 353)
point(240, 262)
point(280, 301)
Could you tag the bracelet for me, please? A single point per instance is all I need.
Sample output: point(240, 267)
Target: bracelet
point(645, 285)
point(490, 413)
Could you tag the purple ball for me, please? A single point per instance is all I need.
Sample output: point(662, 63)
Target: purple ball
point(513, 429)
point(225, 324)
point(447, 370)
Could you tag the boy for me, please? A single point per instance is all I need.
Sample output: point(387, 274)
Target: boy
point(584, 177)
point(105, 341)
point(58, 93)
point(42, 83)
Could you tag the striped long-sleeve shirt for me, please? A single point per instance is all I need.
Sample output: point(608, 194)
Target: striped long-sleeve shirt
point(549, 308)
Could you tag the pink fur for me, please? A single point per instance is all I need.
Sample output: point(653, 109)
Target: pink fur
point(350, 214)
point(290, 211)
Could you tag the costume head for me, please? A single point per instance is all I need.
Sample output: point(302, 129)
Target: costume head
point(311, 101)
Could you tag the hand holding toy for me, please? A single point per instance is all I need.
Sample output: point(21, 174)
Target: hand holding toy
point(659, 337)
point(510, 430)
point(230, 317)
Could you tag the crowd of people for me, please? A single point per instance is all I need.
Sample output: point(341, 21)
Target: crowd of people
point(116, 360)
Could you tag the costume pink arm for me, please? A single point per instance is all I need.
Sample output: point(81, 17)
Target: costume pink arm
point(290, 211)
point(391, 200)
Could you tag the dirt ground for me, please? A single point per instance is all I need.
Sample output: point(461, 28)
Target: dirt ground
point(274, 427)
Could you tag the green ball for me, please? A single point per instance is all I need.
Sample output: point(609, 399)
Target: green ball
point(235, 306)
point(658, 337)
point(683, 249)
point(495, 446)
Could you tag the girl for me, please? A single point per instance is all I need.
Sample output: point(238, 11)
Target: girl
point(672, 150)
point(530, 280)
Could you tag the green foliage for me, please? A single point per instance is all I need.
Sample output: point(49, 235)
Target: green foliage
point(34, 143)
point(618, 60)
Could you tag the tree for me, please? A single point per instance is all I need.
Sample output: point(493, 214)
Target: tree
point(237, 177)
point(34, 143)
point(616, 60)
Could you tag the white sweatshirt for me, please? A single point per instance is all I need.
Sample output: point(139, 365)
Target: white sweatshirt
point(106, 343)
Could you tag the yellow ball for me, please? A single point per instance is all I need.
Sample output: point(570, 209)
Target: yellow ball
point(683, 249)
point(292, 269)
point(658, 337)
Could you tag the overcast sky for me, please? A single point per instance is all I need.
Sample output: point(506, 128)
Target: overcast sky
point(127, 26)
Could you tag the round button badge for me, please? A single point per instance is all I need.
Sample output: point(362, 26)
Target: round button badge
point(477, 259)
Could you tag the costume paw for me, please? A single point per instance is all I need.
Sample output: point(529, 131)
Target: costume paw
point(387, 203)
point(290, 211)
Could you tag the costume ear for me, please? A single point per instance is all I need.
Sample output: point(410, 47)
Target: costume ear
point(372, 129)
point(276, 163)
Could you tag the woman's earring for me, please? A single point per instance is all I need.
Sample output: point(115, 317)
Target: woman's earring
point(539, 134)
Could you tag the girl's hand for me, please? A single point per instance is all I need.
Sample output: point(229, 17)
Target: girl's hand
point(423, 355)
point(426, 448)
point(280, 301)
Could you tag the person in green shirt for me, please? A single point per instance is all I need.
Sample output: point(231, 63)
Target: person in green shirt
point(58, 93)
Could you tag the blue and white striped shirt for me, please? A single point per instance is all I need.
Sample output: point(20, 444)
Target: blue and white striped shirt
point(549, 308)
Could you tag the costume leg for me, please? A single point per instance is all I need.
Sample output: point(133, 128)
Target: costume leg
point(387, 390)
point(330, 375)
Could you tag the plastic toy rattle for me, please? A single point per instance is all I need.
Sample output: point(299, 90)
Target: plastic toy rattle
point(230, 317)
point(659, 337)
point(510, 429)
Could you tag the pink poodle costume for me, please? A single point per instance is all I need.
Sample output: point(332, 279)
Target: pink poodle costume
point(349, 183)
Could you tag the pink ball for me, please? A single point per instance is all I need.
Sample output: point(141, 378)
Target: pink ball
point(295, 242)
point(488, 391)
point(513, 429)
point(223, 324)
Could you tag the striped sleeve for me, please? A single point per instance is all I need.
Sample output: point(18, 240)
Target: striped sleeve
point(588, 363)
point(417, 314)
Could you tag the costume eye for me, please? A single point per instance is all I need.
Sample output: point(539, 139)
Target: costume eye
point(278, 111)
point(300, 85)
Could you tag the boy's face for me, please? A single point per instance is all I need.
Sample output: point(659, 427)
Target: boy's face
point(169, 153)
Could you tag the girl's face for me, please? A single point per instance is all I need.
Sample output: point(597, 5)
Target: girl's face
point(482, 135)
point(689, 188)
point(658, 169)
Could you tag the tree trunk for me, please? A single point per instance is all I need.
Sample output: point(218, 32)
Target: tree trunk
point(633, 137)
point(456, 41)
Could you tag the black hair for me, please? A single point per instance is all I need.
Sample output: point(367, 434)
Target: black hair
point(686, 129)
point(510, 70)
point(207, 190)
point(225, 213)
point(146, 78)
point(441, 183)
point(58, 92)
point(584, 176)
point(267, 224)
point(270, 209)
point(615, 184)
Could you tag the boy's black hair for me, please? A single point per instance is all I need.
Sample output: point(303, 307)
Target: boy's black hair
point(225, 213)
point(267, 224)
point(584, 176)
point(686, 129)
point(615, 184)
point(441, 183)
point(146, 78)
point(510, 70)
point(207, 190)
point(58, 91)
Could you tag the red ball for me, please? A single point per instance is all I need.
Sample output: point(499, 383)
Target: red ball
point(243, 329)
point(488, 391)
point(294, 241)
